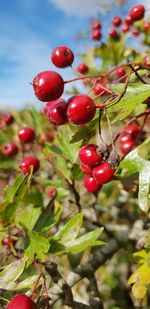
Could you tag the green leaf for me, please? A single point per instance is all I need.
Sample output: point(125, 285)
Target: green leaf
point(70, 230)
point(28, 283)
point(86, 132)
point(12, 191)
point(49, 218)
point(76, 172)
point(28, 217)
point(38, 246)
point(12, 272)
point(134, 96)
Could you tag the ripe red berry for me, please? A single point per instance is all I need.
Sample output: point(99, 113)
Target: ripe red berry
point(57, 112)
point(96, 25)
point(127, 147)
point(48, 86)
point(91, 185)
point(7, 119)
point(146, 27)
point(82, 68)
point(27, 162)
point(81, 109)
point(87, 169)
point(8, 241)
point(113, 33)
point(98, 88)
point(125, 28)
point(146, 61)
point(9, 149)
point(26, 135)
point(128, 20)
point(103, 173)
point(62, 57)
point(116, 21)
point(135, 32)
point(96, 35)
point(88, 155)
point(133, 130)
point(125, 137)
point(51, 192)
point(21, 301)
point(120, 72)
point(137, 12)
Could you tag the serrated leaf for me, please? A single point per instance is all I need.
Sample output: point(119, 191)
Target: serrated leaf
point(12, 272)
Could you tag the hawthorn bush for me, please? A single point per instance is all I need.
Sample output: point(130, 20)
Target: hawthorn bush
point(74, 177)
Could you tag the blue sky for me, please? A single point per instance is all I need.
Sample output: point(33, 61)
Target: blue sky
point(30, 29)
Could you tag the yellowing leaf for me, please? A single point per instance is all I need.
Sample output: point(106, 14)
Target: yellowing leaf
point(139, 291)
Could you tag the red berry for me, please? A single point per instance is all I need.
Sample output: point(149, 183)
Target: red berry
point(96, 25)
point(51, 192)
point(9, 149)
point(103, 173)
point(146, 27)
point(120, 72)
point(91, 185)
point(113, 33)
point(89, 155)
point(21, 301)
point(98, 88)
point(81, 109)
point(146, 61)
point(133, 130)
point(116, 21)
point(26, 135)
point(50, 136)
point(48, 86)
point(7, 119)
point(62, 57)
point(135, 32)
point(86, 169)
point(125, 28)
point(137, 12)
point(127, 147)
point(82, 68)
point(128, 20)
point(96, 35)
point(57, 112)
point(27, 162)
point(8, 241)
point(124, 138)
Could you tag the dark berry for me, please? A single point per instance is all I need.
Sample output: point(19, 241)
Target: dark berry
point(21, 301)
point(96, 25)
point(96, 35)
point(103, 173)
point(82, 68)
point(27, 162)
point(8, 241)
point(128, 20)
point(125, 28)
point(9, 149)
point(57, 112)
point(116, 21)
point(87, 169)
point(120, 72)
point(127, 147)
point(26, 135)
point(146, 61)
point(113, 33)
point(133, 130)
point(91, 185)
point(62, 57)
point(48, 86)
point(81, 109)
point(137, 12)
point(89, 155)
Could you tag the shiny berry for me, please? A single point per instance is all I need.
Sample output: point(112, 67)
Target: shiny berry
point(127, 147)
point(113, 33)
point(137, 12)
point(133, 130)
point(7, 119)
point(87, 169)
point(96, 25)
point(26, 135)
point(96, 35)
point(125, 28)
point(146, 27)
point(125, 137)
point(48, 86)
point(57, 112)
point(21, 301)
point(91, 185)
point(9, 149)
point(103, 173)
point(81, 109)
point(116, 21)
point(82, 68)
point(120, 72)
point(128, 20)
point(27, 162)
point(135, 32)
point(146, 61)
point(62, 57)
point(88, 155)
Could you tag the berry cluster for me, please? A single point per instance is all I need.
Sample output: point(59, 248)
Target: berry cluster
point(130, 138)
